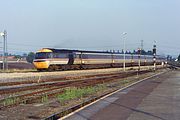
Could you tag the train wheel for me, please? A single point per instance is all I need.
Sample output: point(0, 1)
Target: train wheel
point(51, 68)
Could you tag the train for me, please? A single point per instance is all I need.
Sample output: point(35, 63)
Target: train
point(50, 59)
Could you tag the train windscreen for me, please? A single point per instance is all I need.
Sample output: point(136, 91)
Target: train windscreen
point(43, 55)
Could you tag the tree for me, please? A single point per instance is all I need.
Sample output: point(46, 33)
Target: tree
point(149, 52)
point(18, 56)
point(24, 54)
point(143, 52)
point(179, 58)
point(122, 51)
point(30, 57)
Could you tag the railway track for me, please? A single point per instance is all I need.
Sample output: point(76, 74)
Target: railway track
point(56, 79)
point(31, 92)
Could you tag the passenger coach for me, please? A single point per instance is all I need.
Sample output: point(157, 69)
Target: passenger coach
point(63, 59)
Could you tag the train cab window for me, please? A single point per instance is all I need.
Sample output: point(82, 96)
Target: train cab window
point(43, 55)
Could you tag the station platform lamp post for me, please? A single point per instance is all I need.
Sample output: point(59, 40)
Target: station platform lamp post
point(5, 64)
point(124, 51)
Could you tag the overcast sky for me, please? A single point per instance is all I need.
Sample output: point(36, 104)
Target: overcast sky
point(91, 24)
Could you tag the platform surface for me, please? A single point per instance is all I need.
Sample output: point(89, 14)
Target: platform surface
point(157, 98)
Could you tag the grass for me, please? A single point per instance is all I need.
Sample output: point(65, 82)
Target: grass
point(44, 98)
point(124, 82)
point(10, 101)
point(73, 93)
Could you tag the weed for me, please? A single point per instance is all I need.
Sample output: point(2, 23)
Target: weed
point(44, 98)
point(10, 101)
point(73, 93)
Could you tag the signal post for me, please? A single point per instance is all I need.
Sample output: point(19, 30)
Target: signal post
point(154, 56)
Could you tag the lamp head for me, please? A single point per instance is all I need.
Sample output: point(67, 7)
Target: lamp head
point(1, 34)
point(124, 33)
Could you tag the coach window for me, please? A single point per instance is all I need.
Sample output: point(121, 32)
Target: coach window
point(77, 56)
point(84, 56)
point(64, 55)
point(55, 55)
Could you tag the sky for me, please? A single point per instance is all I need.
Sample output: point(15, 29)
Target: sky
point(91, 24)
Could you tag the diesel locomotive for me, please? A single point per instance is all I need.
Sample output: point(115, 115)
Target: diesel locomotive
point(64, 59)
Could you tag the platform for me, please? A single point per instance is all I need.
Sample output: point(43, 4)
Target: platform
point(157, 98)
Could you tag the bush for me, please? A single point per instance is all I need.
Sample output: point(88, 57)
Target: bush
point(30, 57)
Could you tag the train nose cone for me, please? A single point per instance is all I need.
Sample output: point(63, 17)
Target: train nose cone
point(41, 64)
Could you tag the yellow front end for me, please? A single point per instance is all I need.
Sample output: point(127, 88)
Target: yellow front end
point(41, 65)
point(42, 62)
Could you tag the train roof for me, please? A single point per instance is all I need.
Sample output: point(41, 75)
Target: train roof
point(84, 51)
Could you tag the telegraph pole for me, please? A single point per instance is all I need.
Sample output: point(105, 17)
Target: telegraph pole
point(142, 45)
point(154, 55)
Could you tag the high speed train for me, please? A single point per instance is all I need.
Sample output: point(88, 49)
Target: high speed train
point(64, 59)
